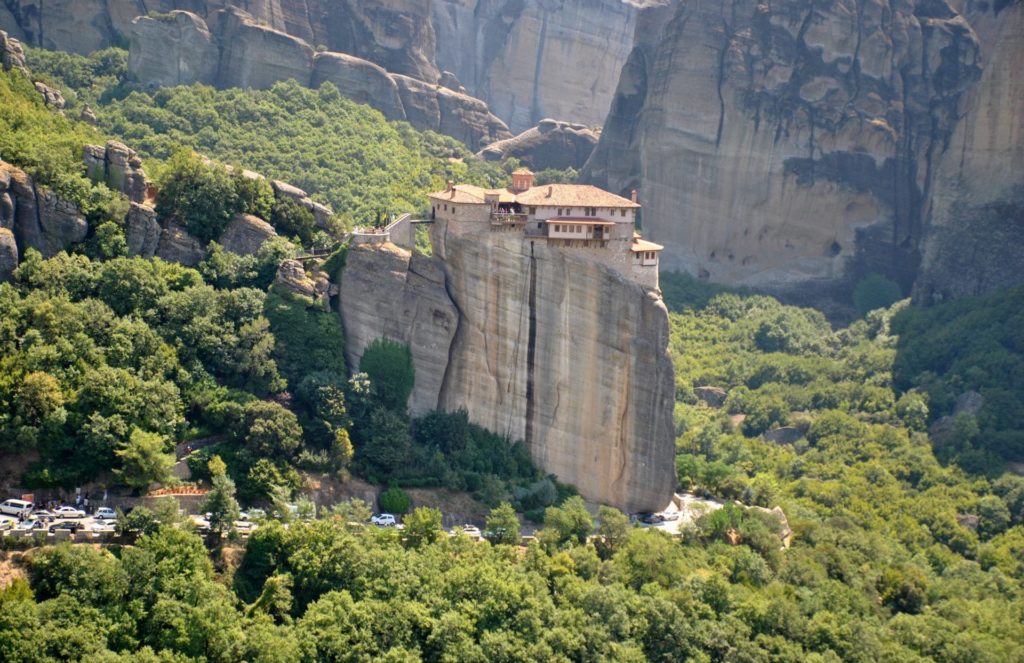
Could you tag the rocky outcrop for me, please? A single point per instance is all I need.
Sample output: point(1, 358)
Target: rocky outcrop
point(531, 59)
point(551, 144)
point(232, 49)
point(142, 231)
point(361, 81)
point(177, 245)
point(177, 49)
point(245, 234)
point(322, 213)
point(792, 145)
point(52, 97)
point(291, 276)
point(389, 292)
point(119, 167)
point(38, 218)
point(256, 56)
point(12, 55)
point(8, 254)
point(536, 344)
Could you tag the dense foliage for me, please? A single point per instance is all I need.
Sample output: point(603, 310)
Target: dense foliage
point(969, 345)
point(316, 139)
point(48, 146)
point(106, 362)
point(346, 154)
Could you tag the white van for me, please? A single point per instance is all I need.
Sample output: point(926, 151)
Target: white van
point(17, 508)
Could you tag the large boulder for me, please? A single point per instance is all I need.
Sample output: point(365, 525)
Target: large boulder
point(435, 108)
point(119, 167)
point(550, 144)
point(174, 49)
point(291, 276)
point(177, 245)
point(12, 55)
point(359, 80)
point(245, 234)
point(142, 231)
point(8, 254)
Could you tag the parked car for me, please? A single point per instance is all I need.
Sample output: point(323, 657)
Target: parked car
point(44, 515)
point(101, 526)
point(105, 513)
point(31, 526)
point(472, 531)
point(68, 512)
point(17, 508)
point(70, 525)
point(384, 520)
point(6, 524)
point(670, 516)
point(651, 518)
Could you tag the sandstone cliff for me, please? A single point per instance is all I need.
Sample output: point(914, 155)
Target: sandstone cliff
point(975, 234)
point(796, 145)
point(534, 343)
point(532, 59)
point(233, 49)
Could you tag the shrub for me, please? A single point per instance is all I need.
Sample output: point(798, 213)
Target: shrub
point(293, 220)
point(200, 195)
point(394, 500)
point(389, 365)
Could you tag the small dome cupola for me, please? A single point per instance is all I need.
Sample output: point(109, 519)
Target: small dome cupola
point(522, 180)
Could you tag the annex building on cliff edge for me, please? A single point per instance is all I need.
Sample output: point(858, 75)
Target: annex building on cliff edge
point(578, 217)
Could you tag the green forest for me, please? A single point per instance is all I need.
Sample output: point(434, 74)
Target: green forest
point(907, 527)
point(343, 153)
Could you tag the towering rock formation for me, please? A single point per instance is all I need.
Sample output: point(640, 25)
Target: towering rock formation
point(797, 144)
point(535, 343)
point(527, 59)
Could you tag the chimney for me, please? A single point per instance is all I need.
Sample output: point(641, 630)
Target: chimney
point(551, 190)
point(451, 185)
point(633, 196)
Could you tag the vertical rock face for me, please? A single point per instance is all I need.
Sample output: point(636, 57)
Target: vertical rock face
point(388, 292)
point(568, 356)
point(174, 50)
point(37, 218)
point(531, 59)
point(790, 144)
point(534, 343)
point(975, 237)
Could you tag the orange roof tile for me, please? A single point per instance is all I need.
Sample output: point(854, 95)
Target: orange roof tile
point(460, 193)
point(572, 195)
point(643, 245)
